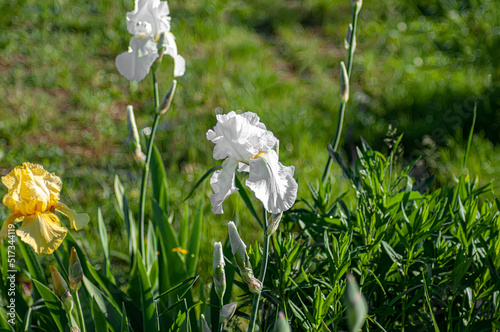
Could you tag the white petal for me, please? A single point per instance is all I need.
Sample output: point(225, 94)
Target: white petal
point(222, 182)
point(135, 63)
point(179, 66)
point(234, 135)
point(272, 182)
point(148, 13)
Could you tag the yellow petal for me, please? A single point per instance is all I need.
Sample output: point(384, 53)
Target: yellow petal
point(77, 220)
point(43, 232)
point(31, 189)
point(4, 232)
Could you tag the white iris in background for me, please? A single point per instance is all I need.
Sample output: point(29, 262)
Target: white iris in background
point(149, 23)
point(244, 143)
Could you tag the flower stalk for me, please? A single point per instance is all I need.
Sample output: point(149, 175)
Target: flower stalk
point(262, 275)
point(145, 171)
point(356, 6)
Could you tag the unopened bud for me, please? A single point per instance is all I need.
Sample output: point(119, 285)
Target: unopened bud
point(204, 324)
point(348, 36)
point(133, 135)
point(61, 289)
point(218, 270)
point(167, 99)
point(356, 5)
point(227, 311)
point(75, 272)
point(356, 306)
point(344, 83)
point(282, 324)
point(75, 329)
point(255, 285)
point(238, 247)
point(274, 222)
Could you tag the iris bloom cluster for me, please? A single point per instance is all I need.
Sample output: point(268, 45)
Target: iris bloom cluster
point(33, 197)
point(244, 143)
point(149, 24)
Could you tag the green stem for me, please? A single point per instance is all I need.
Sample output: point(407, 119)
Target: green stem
point(256, 297)
point(145, 171)
point(221, 324)
point(79, 312)
point(336, 140)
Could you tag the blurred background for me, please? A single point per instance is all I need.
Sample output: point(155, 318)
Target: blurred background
point(419, 68)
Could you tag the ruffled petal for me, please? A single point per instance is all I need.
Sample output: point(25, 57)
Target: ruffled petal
point(31, 189)
point(222, 182)
point(168, 42)
point(272, 182)
point(11, 220)
point(43, 232)
point(239, 136)
point(134, 65)
point(77, 220)
point(152, 13)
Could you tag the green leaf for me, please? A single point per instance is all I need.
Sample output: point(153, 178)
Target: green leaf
point(243, 193)
point(194, 240)
point(4, 324)
point(151, 246)
point(108, 308)
point(125, 326)
point(103, 236)
point(200, 181)
point(159, 180)
point(127, 216)
point(149, 315)
point(174, 265)
point(32, 263)
point(53, 304)
point(98, 315)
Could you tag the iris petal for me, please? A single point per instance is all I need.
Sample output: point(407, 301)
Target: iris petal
point(222, 183)
point(4, 232)
point(43, 232)
point(77, 220)
point(134, 65)
point(272, 182)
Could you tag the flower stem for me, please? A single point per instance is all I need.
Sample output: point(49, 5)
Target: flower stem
point(221, 324)
point(79, 312)
point(336, 140)
point(256, 297)
point(145, 171)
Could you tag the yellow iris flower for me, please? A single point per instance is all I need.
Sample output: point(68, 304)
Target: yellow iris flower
point(32, 197)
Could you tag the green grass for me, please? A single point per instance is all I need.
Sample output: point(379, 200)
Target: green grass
point(418, 65)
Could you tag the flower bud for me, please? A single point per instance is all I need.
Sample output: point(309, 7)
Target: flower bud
point(255, 285)
point(356, 5)
point(75, 272)
point(274, 222)
point(61, 289)
point(238, 247)
point(167, 99)
point(227, 311)
point(204, 324)
point(344, 83)
point(218, 270)
point(133, 135)
point(348, 36)
point(282, 324)
point(356, 306)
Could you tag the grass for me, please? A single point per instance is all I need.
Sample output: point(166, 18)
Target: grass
point(419, 66)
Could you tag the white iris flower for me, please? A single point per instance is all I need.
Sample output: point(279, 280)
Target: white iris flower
point(148, 22)
point(244, 143)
